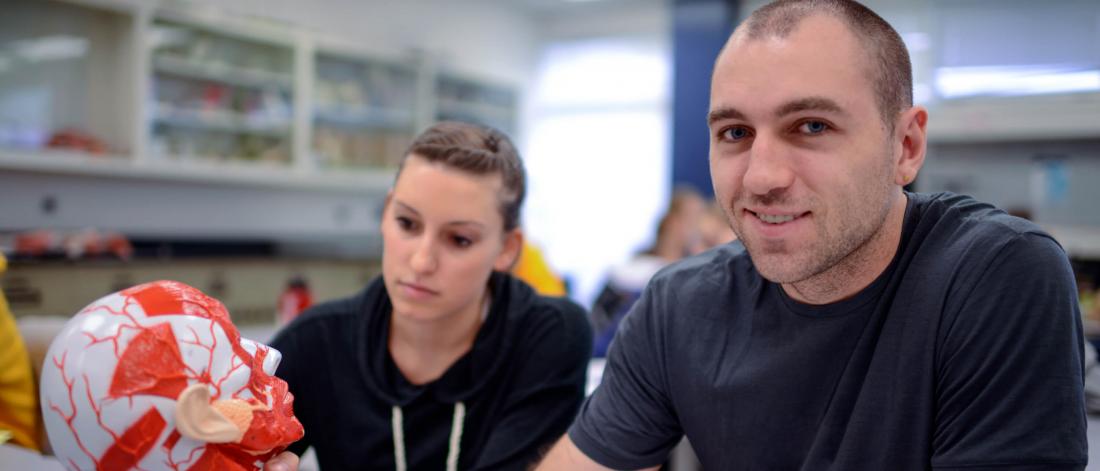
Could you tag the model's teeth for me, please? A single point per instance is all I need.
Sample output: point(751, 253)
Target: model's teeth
point(774, 219)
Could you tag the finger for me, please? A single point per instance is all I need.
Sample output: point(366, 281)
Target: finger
point(285, 461)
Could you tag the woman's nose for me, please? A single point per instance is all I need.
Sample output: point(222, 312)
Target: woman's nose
point(424, 258)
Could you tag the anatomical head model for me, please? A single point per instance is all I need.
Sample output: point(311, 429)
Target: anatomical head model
point(156, 377)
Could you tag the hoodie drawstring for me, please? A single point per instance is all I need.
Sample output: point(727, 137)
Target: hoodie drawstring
point(453, 447)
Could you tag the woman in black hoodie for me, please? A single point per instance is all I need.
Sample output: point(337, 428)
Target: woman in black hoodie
point(443, 362)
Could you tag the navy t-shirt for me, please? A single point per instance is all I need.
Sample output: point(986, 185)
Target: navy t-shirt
point(966, 353)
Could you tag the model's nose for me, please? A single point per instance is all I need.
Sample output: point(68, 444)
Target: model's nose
point(271, 361)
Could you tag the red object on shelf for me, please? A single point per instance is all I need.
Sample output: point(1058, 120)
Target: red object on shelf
point(294, 299)
point(76, 140)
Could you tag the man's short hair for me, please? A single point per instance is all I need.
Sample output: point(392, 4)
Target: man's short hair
point(892, 73)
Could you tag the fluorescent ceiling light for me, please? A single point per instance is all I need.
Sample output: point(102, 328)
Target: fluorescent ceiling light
point(959, 82)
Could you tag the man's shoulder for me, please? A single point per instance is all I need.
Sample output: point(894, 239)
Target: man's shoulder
point(972, 215)
point(966, 227)
point(714, 267)
point(704, 285)
point(962, 241)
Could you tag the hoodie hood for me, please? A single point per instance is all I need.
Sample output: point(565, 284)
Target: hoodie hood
point(470, 373)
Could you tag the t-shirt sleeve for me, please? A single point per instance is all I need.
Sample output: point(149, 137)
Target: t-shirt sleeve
point(629, 421)
point(294, 369)
point(1009, 367)
point(548, 390)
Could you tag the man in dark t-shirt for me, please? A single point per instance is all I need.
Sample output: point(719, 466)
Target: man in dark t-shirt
point(862, 327)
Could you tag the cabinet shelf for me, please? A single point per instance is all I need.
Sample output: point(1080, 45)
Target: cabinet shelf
point(365, 117)
point(213, 118)
point(459, 107)
point(249, 174)
point(221, 121)
point(222, 73)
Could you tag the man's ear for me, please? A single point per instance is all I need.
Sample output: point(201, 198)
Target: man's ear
point(196, 418)
point(913, 139)
point(513, 247)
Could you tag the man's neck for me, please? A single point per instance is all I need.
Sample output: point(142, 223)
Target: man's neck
point(424, 350)
point(860, 268)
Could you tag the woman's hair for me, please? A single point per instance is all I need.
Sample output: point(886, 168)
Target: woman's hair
point(479, 150)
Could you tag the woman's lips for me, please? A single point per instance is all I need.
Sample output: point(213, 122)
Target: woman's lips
point(416, 291)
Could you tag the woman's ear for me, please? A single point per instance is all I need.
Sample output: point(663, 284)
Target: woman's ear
point(196, 418)
point(509, 254)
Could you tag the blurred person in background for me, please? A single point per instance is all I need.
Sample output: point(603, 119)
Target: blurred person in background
point(714, 229)
point(679, 234)
point(19, 419)
point(444, 361)
point(863, 327)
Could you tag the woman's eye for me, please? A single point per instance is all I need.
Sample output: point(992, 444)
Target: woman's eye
point(405, 223)
point(461, 241)
point(735, 133)
point(813, 127)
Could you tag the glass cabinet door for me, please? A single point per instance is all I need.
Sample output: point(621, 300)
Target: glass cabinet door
point(364, 112)
point(461, 99)
point(63, 69)
point(217, 97)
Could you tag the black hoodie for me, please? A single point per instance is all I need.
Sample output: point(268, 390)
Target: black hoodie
point(512, 395)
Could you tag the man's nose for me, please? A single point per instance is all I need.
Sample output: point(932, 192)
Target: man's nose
point(769, 168)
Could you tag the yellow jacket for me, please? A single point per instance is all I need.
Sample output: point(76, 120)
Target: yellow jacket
point(18, 400)
point(533, 269)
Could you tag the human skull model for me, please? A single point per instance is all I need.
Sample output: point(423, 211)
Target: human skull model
point(156, 377)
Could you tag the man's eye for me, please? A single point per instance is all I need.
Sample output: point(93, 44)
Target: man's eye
point(813, 127)
point(735, 133)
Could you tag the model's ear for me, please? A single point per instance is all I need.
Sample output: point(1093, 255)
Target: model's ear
point(196, 418)
point(509, 255)
point(912, 135)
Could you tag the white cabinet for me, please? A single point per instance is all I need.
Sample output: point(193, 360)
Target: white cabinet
point(465, 99)
point(364, 110)
point(218, 97)
point(115, 94)
point(66, 78)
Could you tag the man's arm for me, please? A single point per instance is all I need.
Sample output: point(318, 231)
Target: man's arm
point(1009, 383)
point(565, 456)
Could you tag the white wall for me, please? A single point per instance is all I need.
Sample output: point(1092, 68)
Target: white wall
point(596, 137)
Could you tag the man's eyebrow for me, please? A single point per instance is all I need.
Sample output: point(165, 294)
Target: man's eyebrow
point(724, 113)
point(809, 104)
